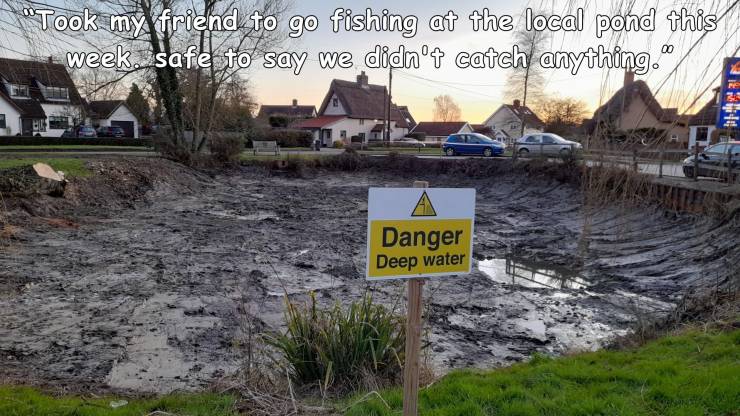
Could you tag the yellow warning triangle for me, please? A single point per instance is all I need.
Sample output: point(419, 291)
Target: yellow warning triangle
point(424, 207)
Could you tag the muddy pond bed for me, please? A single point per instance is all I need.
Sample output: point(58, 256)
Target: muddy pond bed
point(151, 296)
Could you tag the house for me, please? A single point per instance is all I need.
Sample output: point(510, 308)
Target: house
point(438, 131)
point(37, 98)
point(113, 113)
point(703, 123)
point(506, 122)
point(406, 114)
point(355, 109)
point(634, 107)
point(289, 113)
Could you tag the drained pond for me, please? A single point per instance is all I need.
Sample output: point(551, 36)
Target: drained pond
point(156, 296)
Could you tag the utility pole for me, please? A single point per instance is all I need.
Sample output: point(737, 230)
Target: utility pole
point(390, 100)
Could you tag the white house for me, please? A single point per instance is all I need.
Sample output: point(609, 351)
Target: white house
point(506, 122)
point(355, 110)
point(438, 131)
point(114, 113)
point(37, 98)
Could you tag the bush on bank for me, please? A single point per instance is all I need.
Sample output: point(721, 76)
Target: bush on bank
point(340, 346)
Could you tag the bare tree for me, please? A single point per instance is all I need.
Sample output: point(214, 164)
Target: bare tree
point(527, 83)
point(446, 109)
point(190, 98)
point(97, 84)
point(562, 115)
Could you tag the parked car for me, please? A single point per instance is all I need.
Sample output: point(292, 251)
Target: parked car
point(110, 131)
point(714, 159)
point(409, 141)
point(80, 131)
point(546, 144)
point(472, 144)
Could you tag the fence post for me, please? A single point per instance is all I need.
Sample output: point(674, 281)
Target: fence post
point(542, 150)
point(634, 160)
point(515, 154)
point(729, 164)
point(660, 166)
point(696, 162)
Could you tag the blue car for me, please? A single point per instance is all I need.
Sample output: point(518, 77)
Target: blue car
point(472, 144)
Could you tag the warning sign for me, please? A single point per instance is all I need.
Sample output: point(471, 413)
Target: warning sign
point(418, 232)
point(424, 207)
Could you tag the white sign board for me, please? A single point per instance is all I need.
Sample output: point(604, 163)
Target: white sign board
point(419, 232)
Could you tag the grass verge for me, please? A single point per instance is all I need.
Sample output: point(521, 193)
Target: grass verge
point(73, 147)
point(70, 167)
point(694, 373)
point(24, 401)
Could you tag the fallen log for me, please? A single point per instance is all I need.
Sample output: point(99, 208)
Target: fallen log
point(32, 180)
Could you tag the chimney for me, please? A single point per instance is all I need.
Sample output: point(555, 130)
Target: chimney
point(629, 77)
point(517, 103)
point(717, 93)
point(362, 79)
point(295, 102)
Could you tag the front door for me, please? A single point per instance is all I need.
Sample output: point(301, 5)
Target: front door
point(26, 127)
point(326, 133)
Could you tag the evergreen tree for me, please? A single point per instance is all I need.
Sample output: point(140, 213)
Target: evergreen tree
point(138, 104)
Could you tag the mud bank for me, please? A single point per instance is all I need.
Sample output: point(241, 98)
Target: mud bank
point(145, 293)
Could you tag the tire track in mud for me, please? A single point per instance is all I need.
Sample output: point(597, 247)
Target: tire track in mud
point(152, 298)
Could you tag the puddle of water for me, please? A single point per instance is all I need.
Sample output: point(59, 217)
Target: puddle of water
point(260, 216)
point(516, 271)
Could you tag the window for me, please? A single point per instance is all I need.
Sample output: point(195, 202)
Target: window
point(343, 134)
point(58, 122)
point(532, 139)
point(720, 148)
point(2, 121)
point(548, 140)
point(335, 102)
point(674, 137)
point(56, 93)
point(702, 133)
point(39, 124)
point(362, 121)
point(362, 136)
point(17, 90)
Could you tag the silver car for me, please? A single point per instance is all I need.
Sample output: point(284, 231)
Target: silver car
point(715, 160)
point(548, 144)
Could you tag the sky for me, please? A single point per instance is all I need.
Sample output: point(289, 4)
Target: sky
point(681, 78)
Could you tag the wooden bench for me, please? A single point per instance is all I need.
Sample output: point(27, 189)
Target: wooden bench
point(266, 147)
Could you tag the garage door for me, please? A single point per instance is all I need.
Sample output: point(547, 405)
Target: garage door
point(127, 126)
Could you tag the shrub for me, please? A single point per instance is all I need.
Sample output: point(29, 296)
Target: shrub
point(289, 138)
point(338, 144)
point(226, 148)
point(68, 141)
point(337, 346)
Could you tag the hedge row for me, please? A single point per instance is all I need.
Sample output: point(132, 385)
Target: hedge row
point(72, 141)
point(288, 138)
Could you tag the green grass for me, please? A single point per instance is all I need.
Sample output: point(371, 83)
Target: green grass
point(24, 401)
point(71, 147)
point(70, 167)
point(691, 374)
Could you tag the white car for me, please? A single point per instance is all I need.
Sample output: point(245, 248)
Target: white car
point(409, 141)
point(546, 144)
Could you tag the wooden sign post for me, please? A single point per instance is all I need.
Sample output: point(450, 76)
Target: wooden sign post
point(413, 340)
point(414, 233)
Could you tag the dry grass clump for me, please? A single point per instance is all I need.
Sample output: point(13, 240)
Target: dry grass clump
point(341, 348)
